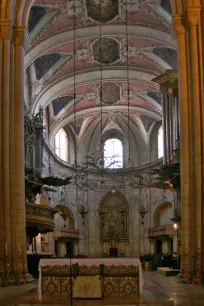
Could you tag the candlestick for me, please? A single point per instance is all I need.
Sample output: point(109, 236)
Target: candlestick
point(6, 249)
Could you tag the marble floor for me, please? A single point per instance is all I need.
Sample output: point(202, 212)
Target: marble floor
point(159, 290)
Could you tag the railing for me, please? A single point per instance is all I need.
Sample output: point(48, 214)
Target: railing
point(39, 219)
point(39, 211)
point(162, 230)
point(67, 233)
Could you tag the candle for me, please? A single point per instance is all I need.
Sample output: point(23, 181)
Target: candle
point(6, 248)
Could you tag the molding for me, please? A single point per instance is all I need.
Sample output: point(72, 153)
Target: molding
point(91, 32)
point(90, 76)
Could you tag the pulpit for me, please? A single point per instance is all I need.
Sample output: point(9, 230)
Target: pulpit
point(113, 247)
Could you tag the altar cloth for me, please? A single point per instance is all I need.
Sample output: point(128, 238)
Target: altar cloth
point(91, 262)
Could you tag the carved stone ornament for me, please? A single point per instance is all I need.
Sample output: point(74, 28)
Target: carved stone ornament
point(74, 7)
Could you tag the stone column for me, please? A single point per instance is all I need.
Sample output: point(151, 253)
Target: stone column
point(164, 128)
point(193, 18)
point(6, 231)
point(167, 127)
point(190, 43)
point(185, 145)
point(170, 127)
point(18, 211)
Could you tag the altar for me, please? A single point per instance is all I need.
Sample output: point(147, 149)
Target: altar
point(55, 275)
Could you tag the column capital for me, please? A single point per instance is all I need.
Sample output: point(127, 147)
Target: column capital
point(19, 36)
point(6, 29)
point(193, 15)
point(173, 91)
point(164, 88)
point(179, 24)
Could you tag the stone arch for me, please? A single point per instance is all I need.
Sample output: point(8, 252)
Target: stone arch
point(162, 214)
point(66, 214)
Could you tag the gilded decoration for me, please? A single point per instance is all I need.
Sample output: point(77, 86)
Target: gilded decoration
point(102, 11)
point(114, 222)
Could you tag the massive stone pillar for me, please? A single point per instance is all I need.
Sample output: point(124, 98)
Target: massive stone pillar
point(188, 21)
point(12, 201)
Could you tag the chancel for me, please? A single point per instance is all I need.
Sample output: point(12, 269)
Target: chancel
point(101, 150)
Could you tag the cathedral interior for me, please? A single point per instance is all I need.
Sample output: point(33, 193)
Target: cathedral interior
point(102, 152)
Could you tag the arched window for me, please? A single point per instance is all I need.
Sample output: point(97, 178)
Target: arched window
point(160, 143)
point(113, 153)
point(61, 145)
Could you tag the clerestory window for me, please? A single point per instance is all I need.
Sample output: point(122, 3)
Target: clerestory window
point(160, 143)
point(113, 153)
point(61, 145)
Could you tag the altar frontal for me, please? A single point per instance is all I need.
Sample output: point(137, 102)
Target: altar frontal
point(90, 278)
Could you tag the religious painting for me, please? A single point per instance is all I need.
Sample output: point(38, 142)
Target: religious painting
point(106, 50)
point(102, 11)
point(113, 216)
point(110, 93)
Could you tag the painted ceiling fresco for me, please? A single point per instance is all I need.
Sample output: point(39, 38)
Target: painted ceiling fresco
point(147, 56)
point(88, 13)
point(113, 53)
point(102, 11)
point(147, 122)
point(166, 5)
point(77, 125)
point(168, 55)
point(60, 103)
point(110, 93)
point(36, 14)
point(106, 50)
point(44, 63)
point(156, 95)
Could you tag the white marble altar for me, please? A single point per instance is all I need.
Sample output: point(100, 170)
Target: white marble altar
point(90, 262)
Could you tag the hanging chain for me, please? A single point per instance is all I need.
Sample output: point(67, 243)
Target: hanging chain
point(101, 96)
point(128, 80)
point(74, 89)
point(74, 80)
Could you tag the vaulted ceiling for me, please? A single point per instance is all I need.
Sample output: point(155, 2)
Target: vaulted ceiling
point(49, 62)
